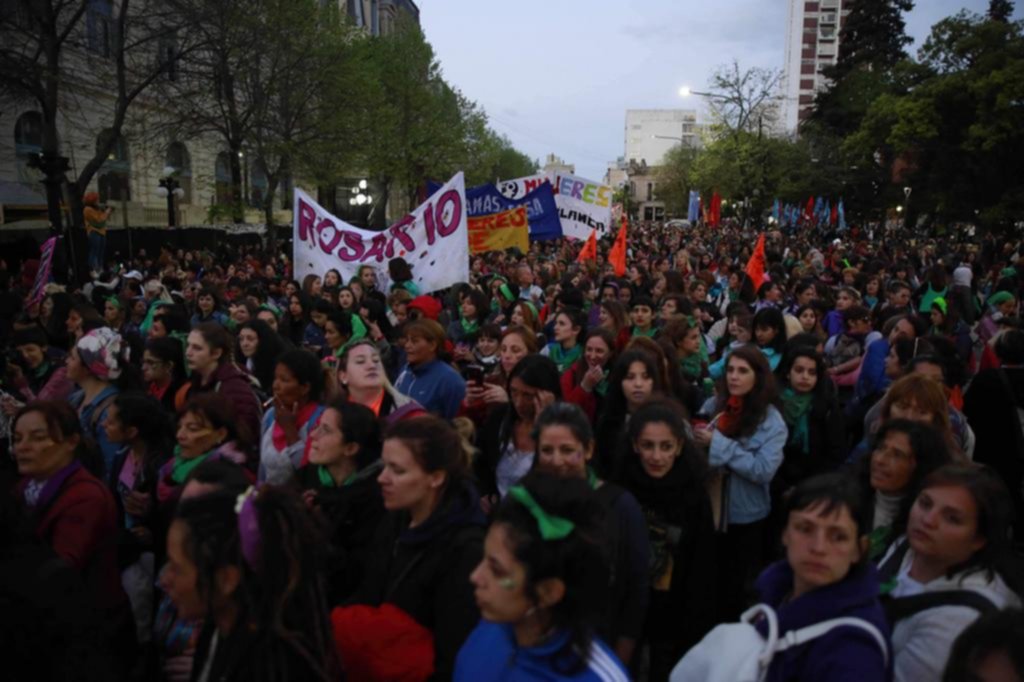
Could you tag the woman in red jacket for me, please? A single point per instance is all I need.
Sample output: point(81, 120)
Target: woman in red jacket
point(586, 382)
point(73, 511)
point(209, 358)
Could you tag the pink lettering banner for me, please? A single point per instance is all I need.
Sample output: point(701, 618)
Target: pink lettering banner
point(433, 239)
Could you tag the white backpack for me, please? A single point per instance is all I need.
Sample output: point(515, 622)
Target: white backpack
point(736, 652)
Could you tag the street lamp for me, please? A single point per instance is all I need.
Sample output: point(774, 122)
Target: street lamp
point(170, 189)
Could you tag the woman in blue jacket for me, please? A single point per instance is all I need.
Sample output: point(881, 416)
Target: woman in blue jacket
point(745, 442)
point(539, 587)
point(825, 575)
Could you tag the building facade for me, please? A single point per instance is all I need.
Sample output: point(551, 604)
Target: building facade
point(555, 164)
point(812, 45)
point(650, 133)
point(129, 180)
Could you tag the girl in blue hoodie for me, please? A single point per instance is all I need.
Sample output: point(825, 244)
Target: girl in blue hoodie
point(539, 588)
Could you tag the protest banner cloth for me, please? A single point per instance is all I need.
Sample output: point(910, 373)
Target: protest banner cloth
point(499, 231)
point(583, 205)
point(35, 295)
point(433, 239)
point(541, 211)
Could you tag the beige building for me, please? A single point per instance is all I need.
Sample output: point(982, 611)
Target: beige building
point(130, 178)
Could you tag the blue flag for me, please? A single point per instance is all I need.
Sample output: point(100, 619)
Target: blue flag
point(775, 213)
point(693, 210)
point(541, 211)
point(841, 217)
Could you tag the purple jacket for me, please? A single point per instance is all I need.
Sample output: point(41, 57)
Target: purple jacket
point(845, 654)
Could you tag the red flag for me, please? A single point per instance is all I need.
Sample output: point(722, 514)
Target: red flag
point(834, 217)
point(755, 266)
point(617, 256)
point(716, 209)
point(809, 211)
point(589, 251)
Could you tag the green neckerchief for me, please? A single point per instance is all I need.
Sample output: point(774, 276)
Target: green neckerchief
point(602, 386)
point(182, 467)
point(878, 541)
point(42, 369)
point(469, 327)
point(551, 527)
point(692, 366)
point(795, 408)
point(649, 333)
point(564, 358)
point(592, 479)
point(327, 481)
point(358, 332)
point(733, 295)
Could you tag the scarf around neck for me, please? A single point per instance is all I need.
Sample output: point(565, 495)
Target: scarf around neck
point(729, 419)
point(564, 358)
point(181, 467)
point(795, 408)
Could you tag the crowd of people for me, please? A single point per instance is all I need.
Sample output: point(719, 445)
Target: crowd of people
point(213, 471)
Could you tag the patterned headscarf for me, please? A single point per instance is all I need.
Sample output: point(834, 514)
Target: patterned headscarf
point(100, 352)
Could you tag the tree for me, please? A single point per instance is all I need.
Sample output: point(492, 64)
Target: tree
point(959, 131)
point(52, 52)
point(1000, 10)
point(674, 178)
point(744, 99)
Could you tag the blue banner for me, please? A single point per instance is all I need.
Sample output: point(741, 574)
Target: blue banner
point(693, 209)
point(541, 211)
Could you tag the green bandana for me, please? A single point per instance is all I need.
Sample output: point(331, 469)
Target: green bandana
point(551, 527)
point(795, 407)
point(469, 326)
point(114, 301)
point(564, 358)
point(592, 479)
point(327, 481)
point(691, 366)
point(999, 298)
point(649, 333)
point(358, 332)
point(183, 467)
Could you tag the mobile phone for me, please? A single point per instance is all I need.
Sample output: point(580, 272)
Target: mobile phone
point(474, 374)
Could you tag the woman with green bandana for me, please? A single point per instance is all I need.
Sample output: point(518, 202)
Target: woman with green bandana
point(817, 438)
point(565, 447)
point(207, 430)
point(473, 311)
point(586, 382)
point(339, 485)
point(114, 313)
point(946, 323)
point(341, 330)
point(1001, 305)
point(538, 587)
point(570, 323)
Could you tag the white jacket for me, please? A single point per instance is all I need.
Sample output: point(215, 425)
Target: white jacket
point(921, 643)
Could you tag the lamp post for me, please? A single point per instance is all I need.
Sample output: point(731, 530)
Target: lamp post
point(361, 197)
point(170, 189)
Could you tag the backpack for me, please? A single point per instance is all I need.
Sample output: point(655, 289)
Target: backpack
point(898, 608)
point(737, 652)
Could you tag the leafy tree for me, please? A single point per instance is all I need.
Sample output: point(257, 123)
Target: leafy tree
point(743, 99)
point(137, 45)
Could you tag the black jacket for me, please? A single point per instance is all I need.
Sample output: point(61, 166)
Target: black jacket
point(425, 572)
point(349, 516)
point(827, 439)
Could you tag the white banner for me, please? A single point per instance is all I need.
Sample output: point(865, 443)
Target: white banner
point(433, 239)
point(583, 205)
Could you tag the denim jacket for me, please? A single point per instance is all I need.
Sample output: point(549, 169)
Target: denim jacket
point(752, 461)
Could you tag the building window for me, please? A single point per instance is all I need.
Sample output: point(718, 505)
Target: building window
point(632, 189)
point(222, 193)
point(375, 17)
point(828, 33)
point(114, 176)
point(178, 158)
point(167, 56)
point(99, 27)
point(355, 11)
point(258, 184)
point(28, 142)
point(650, 191)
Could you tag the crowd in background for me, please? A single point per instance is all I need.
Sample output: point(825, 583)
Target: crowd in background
point(214, 471)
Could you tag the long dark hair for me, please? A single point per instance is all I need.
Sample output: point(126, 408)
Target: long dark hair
point(824, 391)
point(145, 413)
point(771, 317)
point(579, 560)
point(616, 404)
point(268, 348)
point(580, 367)
point(673, 415)
point(536, 371)
point(281, 598)
point(930, 452)
point(760, 398)
point(359, 425)
point(169, 350)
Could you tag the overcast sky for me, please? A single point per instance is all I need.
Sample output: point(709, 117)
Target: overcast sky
point(557, 76)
